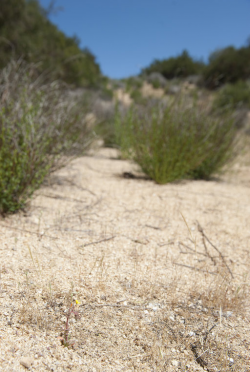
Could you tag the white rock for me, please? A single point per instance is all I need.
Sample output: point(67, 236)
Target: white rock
point(176, 363)
point(153, 306)
point(26, 362)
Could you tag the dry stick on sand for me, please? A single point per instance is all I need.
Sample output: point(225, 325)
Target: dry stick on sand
point(195, 268)
point(62, 198)
point(30, 232)
point(97, 242)
point(192, 250)
point(206, 250)
point(200, 229)
point(81, 188)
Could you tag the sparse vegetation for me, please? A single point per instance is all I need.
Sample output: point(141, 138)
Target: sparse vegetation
point(233, 96)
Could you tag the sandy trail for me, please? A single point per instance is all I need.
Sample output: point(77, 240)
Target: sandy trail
point(130, 252)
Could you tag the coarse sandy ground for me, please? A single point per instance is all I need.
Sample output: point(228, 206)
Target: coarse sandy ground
point(161, 273)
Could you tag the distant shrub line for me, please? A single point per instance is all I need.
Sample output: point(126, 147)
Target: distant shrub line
point(225, 66)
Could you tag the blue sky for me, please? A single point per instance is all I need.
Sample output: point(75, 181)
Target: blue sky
point(126, 35)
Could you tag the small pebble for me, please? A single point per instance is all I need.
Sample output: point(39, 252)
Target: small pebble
point(175, 363)
point(26, 362)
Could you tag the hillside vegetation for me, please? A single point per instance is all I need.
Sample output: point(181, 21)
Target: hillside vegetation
point(26, 31)
point(176, 67)
point(228, 65)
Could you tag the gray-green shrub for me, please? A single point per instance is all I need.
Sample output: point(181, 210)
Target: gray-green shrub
point(41, 127)
point(233, 96)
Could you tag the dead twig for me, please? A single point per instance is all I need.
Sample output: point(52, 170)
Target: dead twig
point(30, 232)
point(81, 188)
point(206, 250)
point(195, 268)
point(135, 240)
point(97, 242)
point(153, 227)
point(191, 249)
point(62, 198)
point(200, 229)
point(131, 307)
point(207, 332)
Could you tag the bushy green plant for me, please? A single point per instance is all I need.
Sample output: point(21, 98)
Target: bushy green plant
point(40, 127)
point(227, 65)
point(137, 96)
point(133, 83)
point(234, 96)
point(123, 131)
point(106, 94)
point(175, 67)
point(156, 84)
point(177, 141)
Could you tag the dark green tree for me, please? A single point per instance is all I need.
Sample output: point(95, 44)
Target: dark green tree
point(175, 67)
point(227, 65)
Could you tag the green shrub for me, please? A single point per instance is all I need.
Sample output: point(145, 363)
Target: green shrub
point(234, 96)
point(176, 142)
point(156, 84)
point(106, 94)
point(40, 129)
point(133, 83)
point(175, 67)
point(137, 96)
point(228, 65)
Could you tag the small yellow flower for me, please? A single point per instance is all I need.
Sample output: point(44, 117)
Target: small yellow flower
point(77, 302)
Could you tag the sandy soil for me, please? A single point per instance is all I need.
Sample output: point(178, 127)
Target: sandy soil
point(161, 273)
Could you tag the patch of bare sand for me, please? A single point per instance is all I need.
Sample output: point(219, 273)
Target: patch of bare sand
point(148, 90)
point(122, 97)
point(156, 292)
